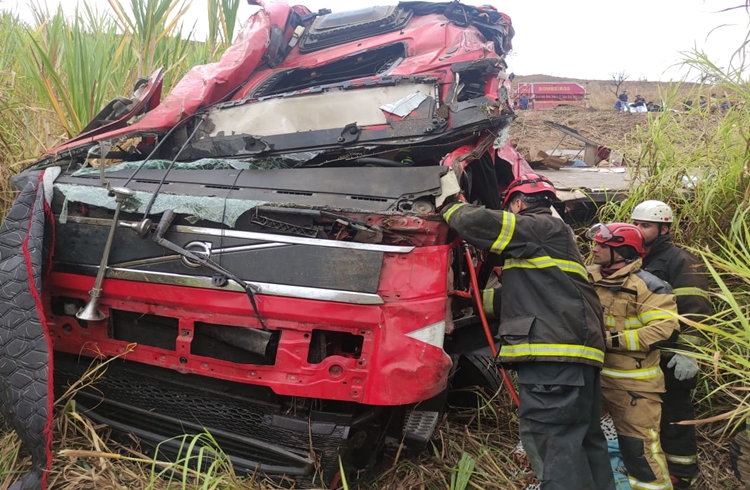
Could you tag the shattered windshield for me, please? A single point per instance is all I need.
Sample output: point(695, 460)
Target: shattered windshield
point(290, 160)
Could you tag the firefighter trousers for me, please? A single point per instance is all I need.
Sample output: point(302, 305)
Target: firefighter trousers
point(637, 416)
point(559, 424)
point(678, 441)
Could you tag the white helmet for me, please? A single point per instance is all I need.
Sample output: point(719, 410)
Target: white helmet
point(654, 211)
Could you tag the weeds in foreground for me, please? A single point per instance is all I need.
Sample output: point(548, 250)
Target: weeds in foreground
point(727, 354)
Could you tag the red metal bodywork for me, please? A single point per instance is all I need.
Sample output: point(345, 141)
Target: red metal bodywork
point(396, 366)
point(288, 229)
point(545, 95)
point(433, 46)
point(393, 369)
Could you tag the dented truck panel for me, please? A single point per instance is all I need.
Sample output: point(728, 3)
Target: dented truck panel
point(260, 253)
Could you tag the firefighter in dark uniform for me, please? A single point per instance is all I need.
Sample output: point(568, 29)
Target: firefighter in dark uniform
point(686, 274)
point(551, 332)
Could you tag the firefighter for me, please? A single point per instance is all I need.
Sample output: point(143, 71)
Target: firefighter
point(640, 316)
point(686, 274)
point(550, 332)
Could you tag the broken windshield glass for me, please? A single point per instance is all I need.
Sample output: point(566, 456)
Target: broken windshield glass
point(290, 160)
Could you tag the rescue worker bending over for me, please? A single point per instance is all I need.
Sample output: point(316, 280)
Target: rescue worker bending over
point(639, 315)
point(687, 276)
point(550, 331)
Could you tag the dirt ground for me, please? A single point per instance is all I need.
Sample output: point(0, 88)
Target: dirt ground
point(608, 128)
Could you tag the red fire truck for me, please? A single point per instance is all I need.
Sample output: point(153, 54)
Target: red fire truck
point(545, 95)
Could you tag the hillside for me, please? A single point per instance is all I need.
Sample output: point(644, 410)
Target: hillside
point(601, 93)
point(606, 127)
point(598, 121)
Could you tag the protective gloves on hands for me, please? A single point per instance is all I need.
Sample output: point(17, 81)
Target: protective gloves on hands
point(684, 367)
point(452, 199)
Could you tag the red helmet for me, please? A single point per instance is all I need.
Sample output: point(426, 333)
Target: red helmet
point(616, 235)
point(529, 184)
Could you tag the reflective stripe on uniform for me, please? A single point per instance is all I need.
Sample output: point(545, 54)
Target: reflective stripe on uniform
point(652, 315)
point(488, 301)
point(451, 210)
point(685, 460)
point(547, 261)
point(642, 373)
point(656, 452)
point(552, 350)
point(633, 323)
point(572, 266)
point(655, 449)
point(691, 291)
point(638, 485)
point(506, 233)
point(692, 339)
point(631, 340)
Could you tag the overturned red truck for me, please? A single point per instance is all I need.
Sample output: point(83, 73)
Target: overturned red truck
point(260, 251)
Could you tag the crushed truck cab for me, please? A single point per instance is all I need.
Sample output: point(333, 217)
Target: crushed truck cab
point(259, 254)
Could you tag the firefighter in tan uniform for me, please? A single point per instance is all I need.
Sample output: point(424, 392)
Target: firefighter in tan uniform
point(639, 316)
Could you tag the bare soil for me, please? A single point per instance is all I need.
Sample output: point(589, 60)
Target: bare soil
point(606, 127)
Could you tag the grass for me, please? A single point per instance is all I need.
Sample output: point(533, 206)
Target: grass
point(461, 456)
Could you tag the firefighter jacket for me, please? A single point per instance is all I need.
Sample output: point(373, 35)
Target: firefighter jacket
point(548, 309)
point(687, 276)
point(639, 317)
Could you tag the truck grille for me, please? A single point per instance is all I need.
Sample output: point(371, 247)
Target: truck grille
point(155, 405)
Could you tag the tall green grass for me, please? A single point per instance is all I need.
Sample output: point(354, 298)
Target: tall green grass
point(223, 15)
point(70, 67)
point(58, 71)
point(698, 161)
point(727, 354)
point(148, 25)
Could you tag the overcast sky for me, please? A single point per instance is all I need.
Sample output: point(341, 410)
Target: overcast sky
point(589, 39)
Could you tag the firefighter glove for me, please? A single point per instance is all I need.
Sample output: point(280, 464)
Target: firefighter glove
point(452, 199)
point(684, 367)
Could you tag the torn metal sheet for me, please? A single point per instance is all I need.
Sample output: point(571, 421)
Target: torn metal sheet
point(449, 187)
point(216, 209)
point(587, 184)
point(593, 152)
point(405, 105)
point(610, 178)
